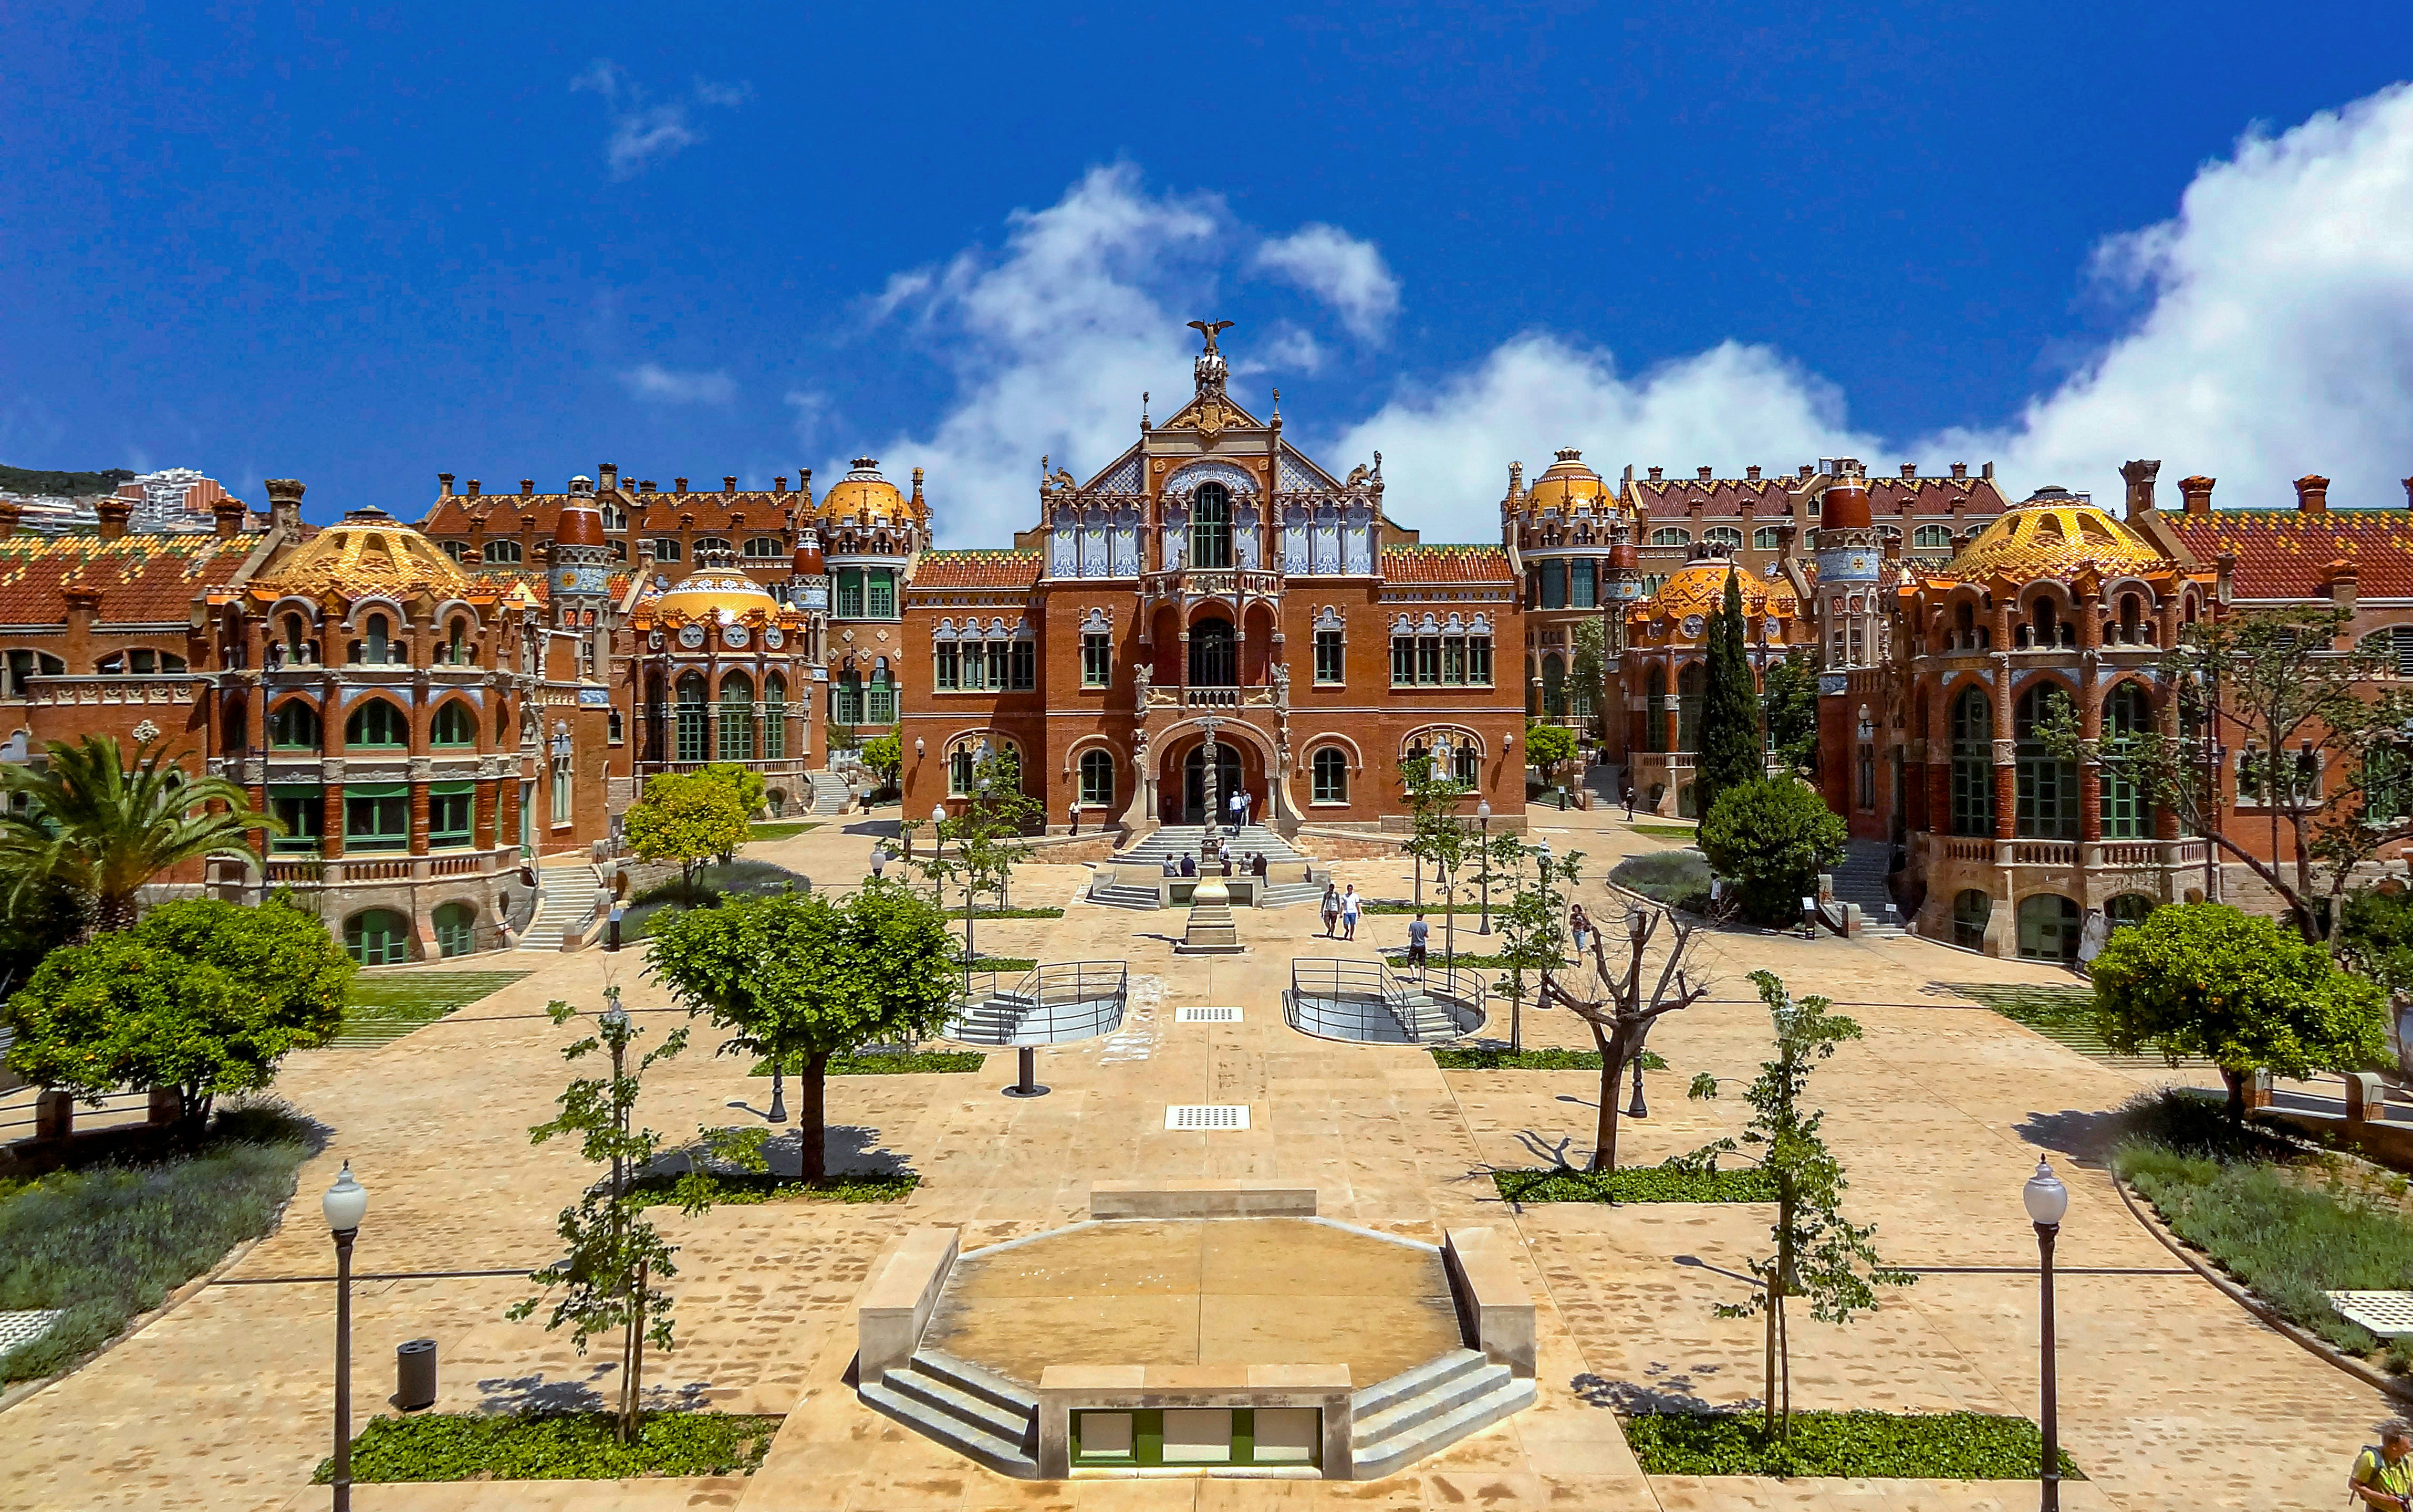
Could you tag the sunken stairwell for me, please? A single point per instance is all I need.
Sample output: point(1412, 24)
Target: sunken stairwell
point(972, 1409)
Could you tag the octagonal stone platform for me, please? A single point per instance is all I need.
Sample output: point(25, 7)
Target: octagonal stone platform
point(1177, 1345)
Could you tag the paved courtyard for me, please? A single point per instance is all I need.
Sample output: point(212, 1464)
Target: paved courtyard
point(2171, 1396)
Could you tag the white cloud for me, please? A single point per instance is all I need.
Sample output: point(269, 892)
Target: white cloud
point(1345, 272)
point(652, 383)
point(643, 133)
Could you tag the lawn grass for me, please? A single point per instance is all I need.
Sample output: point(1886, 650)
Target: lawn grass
point(1494, 1057)
point(382, 1009)
point(1874, 1445)
point(2063, 1014)
point(108, 1243)
point(1679, 879)
point(889, 1063)
point(1000, 963)
point(782, 829)
point(1668, 832)
point(1398, 956)
point(747, 1188)
point(1009, 913)
point(738, 879)
point(1389, 907)
point(2287, 1222)
point(1636, 1184)
point(555, 1446)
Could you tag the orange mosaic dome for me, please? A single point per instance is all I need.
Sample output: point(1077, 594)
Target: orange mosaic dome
point(369, 552)
point(1567, 484)
point(864, 494)
point(2054, 534)
point(722, 594)
point(1685, 602)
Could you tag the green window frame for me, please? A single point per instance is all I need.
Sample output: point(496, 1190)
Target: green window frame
point(1096, 778)
point(452, 815)
point(1024, 663)
point(378, 937)
point(850, 593)
point(1582, 585)
point(1972, 764)
point(775, 719)
point(1329, 769)
point(1097, 660)
point(2046, 787)
point(1330, 657)
point(377, 724)
point(879, 593)
point(880, 700)
point(377, 816)
point(293, 725)
point(1553, 589)
point(1210, 527)
point(453, 725)
point(2127, 813)
point(302, 811)
point(1133, 1437)
point(692, 722)
point(456, 928)
point(1403, 660)
point(945, 662)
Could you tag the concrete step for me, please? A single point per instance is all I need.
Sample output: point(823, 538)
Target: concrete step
point(1116, 896)
point(979, 1445)
point(1393, 1391)
point(977, 1412)
point(1183, 839)
point(1443, 1412)
point(978, 1380)
point(829, 791)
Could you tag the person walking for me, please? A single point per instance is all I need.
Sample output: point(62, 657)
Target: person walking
point(1239, 807)
point(2383, 1476)
point(1579, 926)
point(1350, 906)
point(1629, 803)
point(1331, 910)
point(1418, 932)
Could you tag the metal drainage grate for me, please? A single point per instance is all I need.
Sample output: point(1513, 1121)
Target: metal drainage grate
point(1206, 1116)
point(1205, 1015)
point(2385, 1313)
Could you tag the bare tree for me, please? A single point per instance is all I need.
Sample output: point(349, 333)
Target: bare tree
point(1620, 1018)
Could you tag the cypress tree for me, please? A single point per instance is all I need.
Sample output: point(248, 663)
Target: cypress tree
point(1728, 744)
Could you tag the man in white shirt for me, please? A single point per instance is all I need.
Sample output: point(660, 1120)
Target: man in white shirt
point(1351, 904)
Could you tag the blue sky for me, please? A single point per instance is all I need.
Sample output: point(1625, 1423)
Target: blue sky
point(362, 245)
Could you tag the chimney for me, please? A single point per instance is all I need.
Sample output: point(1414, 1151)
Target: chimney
point(83, 607)
point(226, 514)
point(1656, 475)
point(528, 488)
point(2311, 494)
point(2408, 493)
point(473, 488)
point(113, 514)
point(443, 485)
point(2197, 491)
point(2139, 476)
point(1629, 472)
point(729, 484)
point(1703, 473)
point(805, 484)
point(1960, 469)
point(1751, 472)
point(2224, 572)
point(284, 504)
point(1516, 481)
point(1987, 471)
point(12, 512)
point(917, 489)
point(1910, 469)
point(678, 485)
point(779, 485)
point(1803, 471)
point(607, 476)
point(2342, 580)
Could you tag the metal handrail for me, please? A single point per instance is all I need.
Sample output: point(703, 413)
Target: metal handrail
point(1348, 978)
point(1051, 1003)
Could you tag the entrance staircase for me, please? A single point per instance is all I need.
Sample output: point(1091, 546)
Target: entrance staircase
point(1861, 878)
point(1417, 1412)
point(1178, 840)
point(829, 792)
point(568, 903)
point(974, 1411)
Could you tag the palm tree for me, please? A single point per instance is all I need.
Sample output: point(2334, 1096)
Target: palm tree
point(92, 824)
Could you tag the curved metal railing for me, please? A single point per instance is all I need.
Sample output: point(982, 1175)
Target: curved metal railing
point(1052, 1003)
point(1364, 1003)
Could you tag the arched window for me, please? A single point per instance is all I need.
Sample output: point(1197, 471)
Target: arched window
point(502, 553)
point(692, 719)
point(1971, 909)
point(960, 763)
point(2047, 786)
point(378, 937)
point(1466, 764)
point(2128, 908)
point(1554, 684)
point(293, 725)
point(1213, 660)
point(1668, 535)
point(457, 550)
point(1723, 535)
point(2127, 813)
point(1330, 768)
point(379, 648)
point(667, 549)
point(1766, 538)
point(736, 716)
point(2049, 928)
point(2395, 643)
point(1096, 778)
point(297, 640)
point(1973, 762)
point(378, 722)
point(775, 718)
point(452, 726)
point(761, 548)
point(457, 650)
point(1210, 526)
point(710, 543)
point(1931, 537)
point(1690, 685)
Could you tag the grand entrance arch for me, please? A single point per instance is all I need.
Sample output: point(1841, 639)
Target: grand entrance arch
point(1198, 796)
point(1185, 794)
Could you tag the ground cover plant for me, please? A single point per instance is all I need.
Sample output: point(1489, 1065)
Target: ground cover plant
point(2288, 1221)
point(1394, 906)
point(1641, 1183)
point(1499, 1058)
point(746, 1188)
point(709, 887)
point(108, 1243)
point(1002, 963)
point(1398, 956)
point(555, 1446)
point(1888, 1446)
point(1679, 879)
point(886, 1063)
point(1667, 832)
point(781, 829)
point(994, 912)
point(384, 1008)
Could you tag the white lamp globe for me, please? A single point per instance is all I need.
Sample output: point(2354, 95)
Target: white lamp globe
point(2046, 1198)
point(1482, 808)
point(346, 1202)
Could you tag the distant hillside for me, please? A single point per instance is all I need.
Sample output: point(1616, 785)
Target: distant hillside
point(73, 484)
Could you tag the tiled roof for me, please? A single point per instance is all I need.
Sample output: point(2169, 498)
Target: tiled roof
point(976, 570)
point(1888, 497)
point(1700, 588)
point(1445, 564)
point(367, 551)
point(503, 513)
point(138, 576)
point(2280, 553)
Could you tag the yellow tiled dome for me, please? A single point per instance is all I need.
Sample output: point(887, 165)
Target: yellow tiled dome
point(863, 494)
point(2054, 534)
point(718, 593)
point(1566, 484)
point(370, 551)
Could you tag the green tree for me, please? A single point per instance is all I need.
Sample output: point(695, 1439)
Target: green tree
point(1820, 1257)
point(1790, 699)
point(201, 996)
point(46, 916)
point(89, 822)
point(802, 979)
point(1727, 743)
point(688, 820)
point(883, 756)
point(1548, 747)
point(1588, 673)
point(2375, 937)
point(610, 1274)
point(985, 834)
point(1437, 835)
point(1771, 835)
point(2209, 980)
point(1531, 918)
point(746, 784)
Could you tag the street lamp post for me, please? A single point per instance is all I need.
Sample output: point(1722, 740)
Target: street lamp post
point(938, 851)
point(1483, 817)
point(2046, 1200)
point(344, 1205)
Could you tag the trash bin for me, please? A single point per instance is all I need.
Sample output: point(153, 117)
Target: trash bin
point(414, 1376)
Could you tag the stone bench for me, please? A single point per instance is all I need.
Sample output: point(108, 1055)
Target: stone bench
point(1200, 1199)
